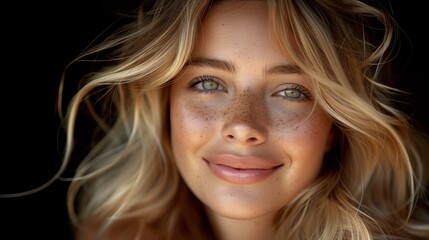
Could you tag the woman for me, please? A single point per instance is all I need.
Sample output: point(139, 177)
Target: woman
point(246, 120)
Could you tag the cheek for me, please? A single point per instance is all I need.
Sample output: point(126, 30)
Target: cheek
point(305, 142)
point(305, 135)
point(191, 121)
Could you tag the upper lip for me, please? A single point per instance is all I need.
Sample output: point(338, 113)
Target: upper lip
point(242, 162)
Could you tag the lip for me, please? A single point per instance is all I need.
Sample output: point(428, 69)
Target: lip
point(241, 169)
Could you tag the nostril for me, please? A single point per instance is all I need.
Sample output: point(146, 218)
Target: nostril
point(231, 137)
point(252, 139)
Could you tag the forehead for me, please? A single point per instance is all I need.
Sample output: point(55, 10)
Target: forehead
point(224, 11)
point(240, 32)
point(229, 23)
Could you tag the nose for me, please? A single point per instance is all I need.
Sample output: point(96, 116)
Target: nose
point(243, 133)
point(246, 121)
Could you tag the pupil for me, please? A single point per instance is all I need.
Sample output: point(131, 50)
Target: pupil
point(292, 93)
point(209, 85)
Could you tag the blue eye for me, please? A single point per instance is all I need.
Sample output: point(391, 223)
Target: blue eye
point(294, 93)
point(206, 84)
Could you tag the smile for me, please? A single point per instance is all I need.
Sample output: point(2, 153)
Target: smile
point(241, 170)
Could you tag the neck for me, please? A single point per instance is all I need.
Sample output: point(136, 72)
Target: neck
point(242, 229)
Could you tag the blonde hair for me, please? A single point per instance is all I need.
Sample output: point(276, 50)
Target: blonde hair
point(371, 181)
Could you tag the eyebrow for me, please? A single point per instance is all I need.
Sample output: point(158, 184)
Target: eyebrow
point(213, 63)
point(230, 67)
point(283, 69)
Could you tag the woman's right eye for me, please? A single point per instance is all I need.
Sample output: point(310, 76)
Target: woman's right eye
point(206, 84)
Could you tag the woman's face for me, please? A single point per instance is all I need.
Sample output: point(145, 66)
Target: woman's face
point(245, 134)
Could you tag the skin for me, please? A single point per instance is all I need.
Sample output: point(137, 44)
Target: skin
point(263, 108)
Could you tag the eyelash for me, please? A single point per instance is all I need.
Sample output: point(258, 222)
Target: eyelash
point(306, 95)
point(206, 78)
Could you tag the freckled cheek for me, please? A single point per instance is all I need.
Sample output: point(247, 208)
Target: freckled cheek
point(287, 122)
point(304, 131)
point(193, 117)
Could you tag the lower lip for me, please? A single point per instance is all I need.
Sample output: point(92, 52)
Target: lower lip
point(240, 176)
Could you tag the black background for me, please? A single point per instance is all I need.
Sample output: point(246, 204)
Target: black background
point(38, 39)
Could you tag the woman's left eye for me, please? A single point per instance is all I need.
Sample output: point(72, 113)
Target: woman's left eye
point(294, 93)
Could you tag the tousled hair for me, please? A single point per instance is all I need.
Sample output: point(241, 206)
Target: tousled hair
point(371, 181)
